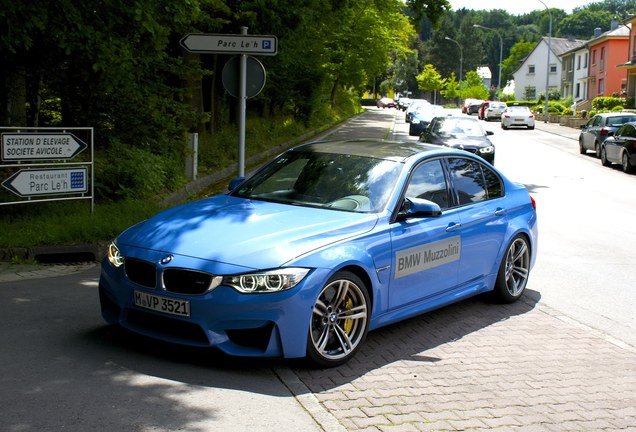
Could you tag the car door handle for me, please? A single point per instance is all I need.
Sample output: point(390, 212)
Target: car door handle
point(453, 227)
point(500, 212)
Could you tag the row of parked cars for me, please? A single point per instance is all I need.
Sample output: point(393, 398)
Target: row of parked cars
point(510, 116)
point(612, 138)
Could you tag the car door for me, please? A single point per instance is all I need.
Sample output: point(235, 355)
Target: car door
point(483, 218)
point(425, 251)
point(625, 136)
point(590, 131)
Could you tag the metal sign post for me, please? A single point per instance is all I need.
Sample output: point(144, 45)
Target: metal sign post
point(243, 45)
point(242, 110)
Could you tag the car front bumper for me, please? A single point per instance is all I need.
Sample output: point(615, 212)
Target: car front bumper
point(254, 325)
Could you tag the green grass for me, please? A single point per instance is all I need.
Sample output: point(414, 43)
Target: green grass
point(72, 223)
point(69, 222)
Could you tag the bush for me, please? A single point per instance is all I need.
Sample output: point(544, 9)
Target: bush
point(607, 103)
point(617, 108)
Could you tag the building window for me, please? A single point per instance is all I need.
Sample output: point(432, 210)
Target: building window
point(553, 68)
point(601, 87)
point(577, 93)
point(593, 57)
point(530, 93)
point(531, 69)
point(578, 62)
point(602, 61)
point(585, 62)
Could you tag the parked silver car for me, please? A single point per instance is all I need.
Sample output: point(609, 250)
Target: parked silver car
point(599, 128)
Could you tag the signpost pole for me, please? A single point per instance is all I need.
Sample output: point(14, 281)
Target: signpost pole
point(242, 109)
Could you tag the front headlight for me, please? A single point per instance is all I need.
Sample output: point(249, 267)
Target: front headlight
point(267, 281)
point(415, 121)
point(489, 149)
point(115, 258)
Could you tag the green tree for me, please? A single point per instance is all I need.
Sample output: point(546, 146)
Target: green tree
point(581, 24)
point(518, 53)
point(473, 86)
point(430, 80)
point(451, 87)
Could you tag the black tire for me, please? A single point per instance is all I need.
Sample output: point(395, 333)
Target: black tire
point(626, 164)
point(513, 271)
point(504, 127)
point(339, 321)
point(531, 127)
point(604, 160)
point(597, 149)
point(582, 149)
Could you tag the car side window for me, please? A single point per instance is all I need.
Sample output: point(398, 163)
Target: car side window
point(428, 182)
point(494, 186)
point(629, 131)
point(469, 181)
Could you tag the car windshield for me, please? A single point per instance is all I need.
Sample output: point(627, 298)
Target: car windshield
point(518, 109)
point(450, 126)
point(314, 179)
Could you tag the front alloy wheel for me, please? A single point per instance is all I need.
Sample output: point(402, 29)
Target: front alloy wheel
point(513, 271)
point(339, 321)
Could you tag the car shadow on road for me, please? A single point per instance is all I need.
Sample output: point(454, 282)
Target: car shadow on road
point(407, 340)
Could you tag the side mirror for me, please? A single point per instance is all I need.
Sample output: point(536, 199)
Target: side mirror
point(418, 208)
point(489, 132)
point(235, 182)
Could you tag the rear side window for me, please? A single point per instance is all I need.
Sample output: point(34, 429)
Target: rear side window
point(474, 181)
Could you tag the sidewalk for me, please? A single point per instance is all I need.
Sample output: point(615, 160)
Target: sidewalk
point(557, 129)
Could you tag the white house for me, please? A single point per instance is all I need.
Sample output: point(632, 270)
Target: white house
point(531, 77)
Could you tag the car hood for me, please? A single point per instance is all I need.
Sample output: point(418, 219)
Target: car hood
point(461, 141)
point(246, 233)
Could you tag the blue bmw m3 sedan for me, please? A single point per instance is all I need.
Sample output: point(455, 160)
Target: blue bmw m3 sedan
point(325, 243)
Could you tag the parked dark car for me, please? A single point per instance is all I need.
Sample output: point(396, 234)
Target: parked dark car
point(621, 148)
point(460, 132)
point(412, 107)
point(422, 116)
point(599, 128)
point(473, 106)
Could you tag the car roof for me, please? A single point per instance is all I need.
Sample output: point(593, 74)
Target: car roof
point(380, 149)
point(616, 114)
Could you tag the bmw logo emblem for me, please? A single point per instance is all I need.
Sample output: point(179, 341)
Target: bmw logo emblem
point(166, 259)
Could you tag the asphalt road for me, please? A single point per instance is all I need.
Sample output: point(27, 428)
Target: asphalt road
point(561, 359)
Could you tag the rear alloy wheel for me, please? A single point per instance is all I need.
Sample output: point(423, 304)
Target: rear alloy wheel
point(339, 321)
point(627, 166)
point(513, 271)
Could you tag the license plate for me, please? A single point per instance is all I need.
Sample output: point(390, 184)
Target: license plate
point(518, 119)
point(162, 304)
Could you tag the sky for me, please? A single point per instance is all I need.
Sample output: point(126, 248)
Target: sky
point(516, 7)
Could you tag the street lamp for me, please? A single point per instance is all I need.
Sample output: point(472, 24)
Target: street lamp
point(461, 62)
point(500, 56)
point(547, 73)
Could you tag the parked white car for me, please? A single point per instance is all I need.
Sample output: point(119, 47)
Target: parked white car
point(517, 116)
point(494, 110)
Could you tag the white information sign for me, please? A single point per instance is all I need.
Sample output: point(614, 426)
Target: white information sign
point(40, 146)
point(54, 181)
point(230, 44)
